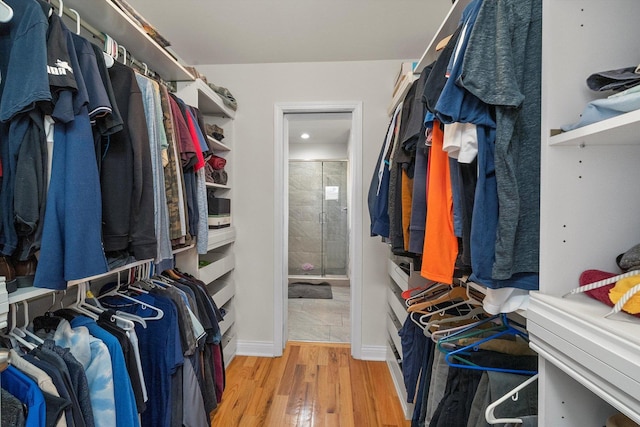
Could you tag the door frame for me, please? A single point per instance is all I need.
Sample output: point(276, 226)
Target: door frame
point(281, 216)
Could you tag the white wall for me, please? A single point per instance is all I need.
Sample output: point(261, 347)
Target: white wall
point(257, 87)
point(318, 151)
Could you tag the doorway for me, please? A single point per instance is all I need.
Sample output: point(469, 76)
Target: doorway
point(284, 153)
point(318, 229)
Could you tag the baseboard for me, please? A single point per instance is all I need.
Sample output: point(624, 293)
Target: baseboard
point(255, 348)
point(374, 352)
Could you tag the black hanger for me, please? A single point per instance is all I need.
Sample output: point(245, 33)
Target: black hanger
point(47, 322)
point(66, 313)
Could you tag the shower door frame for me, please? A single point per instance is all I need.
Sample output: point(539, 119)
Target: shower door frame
point(321, 219)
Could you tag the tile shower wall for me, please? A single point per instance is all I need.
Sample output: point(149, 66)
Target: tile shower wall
point(317, 227)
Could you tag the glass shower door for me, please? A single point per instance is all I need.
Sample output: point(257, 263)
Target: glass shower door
point(318, 229)
point(335, 238)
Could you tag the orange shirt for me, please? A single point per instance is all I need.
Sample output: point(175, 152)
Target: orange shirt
point(407, 199)
point(440, 243)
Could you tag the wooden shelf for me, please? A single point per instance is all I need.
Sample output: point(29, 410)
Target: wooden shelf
point(219, 186)
point(398, 380)
point(399, 277)
point(229, 346)
point(26, 294)
point(392, 329)
point(620, 130)
point(224, 294)
point(395, 302)
point(220, 265)
point(401, 93)
point(182, 249)
point(108, 18)
point(217, 145)
point(599, 353)
point(229, 320)
point(221, 237)
point(209, 102)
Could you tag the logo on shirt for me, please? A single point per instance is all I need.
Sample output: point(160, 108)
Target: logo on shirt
point(60, 68)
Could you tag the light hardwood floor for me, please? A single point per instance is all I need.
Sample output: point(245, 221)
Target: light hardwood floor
point(311, 385)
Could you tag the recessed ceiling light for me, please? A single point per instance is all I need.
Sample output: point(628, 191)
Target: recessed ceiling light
point(304, 136)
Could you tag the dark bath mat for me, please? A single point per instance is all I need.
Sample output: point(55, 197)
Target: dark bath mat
point(310, 290)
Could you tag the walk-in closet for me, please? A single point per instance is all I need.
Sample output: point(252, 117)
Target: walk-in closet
point(320, 213)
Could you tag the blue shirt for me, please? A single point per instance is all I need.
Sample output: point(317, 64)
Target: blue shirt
point(26, 391)
point(456, 104)
point(94, 357)
point(72, 239)
point(125, 401)
point(160, 353)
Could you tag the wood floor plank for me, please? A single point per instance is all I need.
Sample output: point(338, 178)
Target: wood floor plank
point(311, 385)
point(291, 361)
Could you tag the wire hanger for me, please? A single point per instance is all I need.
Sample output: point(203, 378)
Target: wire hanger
point(469, 302)
point(506, 328)
point(475, 314)
point(6, 12)
point(491, 418)
point(436, 336)
point(456, 292)
point(428, 292)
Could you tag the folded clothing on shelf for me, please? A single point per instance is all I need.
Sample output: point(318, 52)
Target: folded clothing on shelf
point(616, 80)
point(217, 162)
point(215, 131)
point(215, 176)
point(226, 96)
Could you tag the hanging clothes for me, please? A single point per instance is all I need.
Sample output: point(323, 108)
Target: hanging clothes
point(440, 243)
point(23, 88)
point(71, 241)
point(509, 39)
point(126, 175)
point(157, 138)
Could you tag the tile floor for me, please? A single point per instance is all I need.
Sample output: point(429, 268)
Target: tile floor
point(323, 320)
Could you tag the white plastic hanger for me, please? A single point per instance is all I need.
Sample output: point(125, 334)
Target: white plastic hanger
point(82, 306)
point(75, 12)
point(124, 49)
point(474, 314)
point(108, 50)
point(15, 332)
point(6, 12)
point(441, 333)
point(513, 394)
point(116, 292)
point(61, 9)
point(24, 329)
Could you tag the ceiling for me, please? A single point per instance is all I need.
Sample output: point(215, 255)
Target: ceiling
point(323, 128)
point(267, 31)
